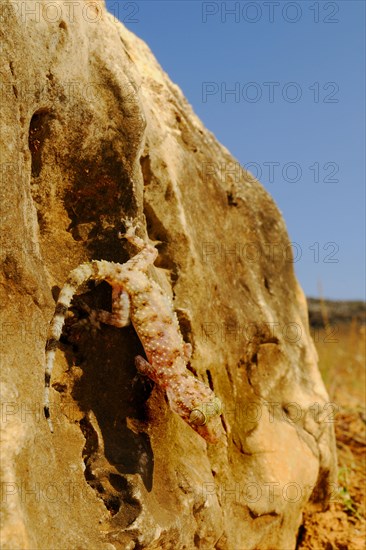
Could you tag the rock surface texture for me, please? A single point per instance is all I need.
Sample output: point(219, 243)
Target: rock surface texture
point(94, 131)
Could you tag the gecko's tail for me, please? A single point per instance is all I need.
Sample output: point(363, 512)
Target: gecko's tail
point(76, 278)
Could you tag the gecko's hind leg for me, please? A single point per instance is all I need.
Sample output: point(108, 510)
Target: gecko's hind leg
point(147, 252)
point(120, 315)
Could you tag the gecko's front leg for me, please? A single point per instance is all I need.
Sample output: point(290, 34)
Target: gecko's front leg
point(144, 368)
point(188, 397)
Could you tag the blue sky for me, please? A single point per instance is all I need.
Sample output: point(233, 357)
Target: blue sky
point(296, 119)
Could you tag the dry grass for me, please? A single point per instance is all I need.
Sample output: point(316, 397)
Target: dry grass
point(342, 354)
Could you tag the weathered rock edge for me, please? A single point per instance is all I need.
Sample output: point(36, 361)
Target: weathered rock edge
point(94, 130)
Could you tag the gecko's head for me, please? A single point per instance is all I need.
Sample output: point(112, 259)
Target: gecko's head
point(197, 404)
point(205, 420)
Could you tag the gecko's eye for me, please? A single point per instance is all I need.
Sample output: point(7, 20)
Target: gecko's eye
point(200, 415)
point(197, 417)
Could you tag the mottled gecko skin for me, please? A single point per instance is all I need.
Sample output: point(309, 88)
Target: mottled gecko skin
point(138, 298)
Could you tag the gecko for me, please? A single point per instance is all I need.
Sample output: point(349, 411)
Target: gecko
point(138, 299)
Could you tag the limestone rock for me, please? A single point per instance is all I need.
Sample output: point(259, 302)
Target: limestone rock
point(94, 131)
